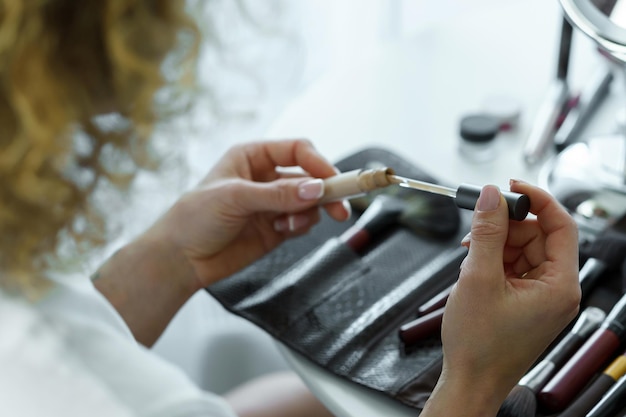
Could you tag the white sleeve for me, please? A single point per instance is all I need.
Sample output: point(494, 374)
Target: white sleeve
point(89, 358)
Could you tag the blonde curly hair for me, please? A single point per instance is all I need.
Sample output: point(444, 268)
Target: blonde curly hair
point(61, 63)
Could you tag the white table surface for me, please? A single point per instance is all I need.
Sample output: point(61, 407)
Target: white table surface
point(409, 99)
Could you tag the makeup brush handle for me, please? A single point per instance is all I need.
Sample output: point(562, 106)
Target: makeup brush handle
point(588, 322)
point(380, 215)
point(612, 402)
point(565, 349)
point(546, 121)
point(585, 401)
point(590, 273)
point(537, 377)
point(436, 302)
point(578, 371)
point(356, 238)
point(519, 204)
point(590, 98)
point(595, 391)
point(421, 328)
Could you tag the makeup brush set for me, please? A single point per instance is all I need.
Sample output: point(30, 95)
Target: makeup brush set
point(364, 299)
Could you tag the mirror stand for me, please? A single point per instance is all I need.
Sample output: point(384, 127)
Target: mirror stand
point(589, 177)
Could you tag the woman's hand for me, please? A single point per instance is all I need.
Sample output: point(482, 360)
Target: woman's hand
point(244, 207)
point(518, 288)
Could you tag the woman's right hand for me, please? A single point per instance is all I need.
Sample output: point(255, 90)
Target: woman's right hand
point(517, 290)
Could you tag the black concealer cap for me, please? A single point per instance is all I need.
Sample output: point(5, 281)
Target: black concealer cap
point(479, 128)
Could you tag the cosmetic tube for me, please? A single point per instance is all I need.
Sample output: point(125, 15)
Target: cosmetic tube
point(355, 183)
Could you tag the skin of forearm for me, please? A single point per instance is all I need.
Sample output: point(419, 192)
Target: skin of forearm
point(147, 282)
point(469, 398)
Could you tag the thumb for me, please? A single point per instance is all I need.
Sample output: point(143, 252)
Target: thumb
point(489, 230)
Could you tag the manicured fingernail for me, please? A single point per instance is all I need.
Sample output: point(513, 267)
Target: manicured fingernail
point(489, 198)
point(348, 207)
point(515, 181)
point(311, 189)
point(291, 223)
point(466, 239)
point(297, 221)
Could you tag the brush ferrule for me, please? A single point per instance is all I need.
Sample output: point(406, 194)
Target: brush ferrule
point(590, 319)
point(616, 319)
point(536, 377)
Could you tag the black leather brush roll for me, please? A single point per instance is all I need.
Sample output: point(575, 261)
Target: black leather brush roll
point(341, 308)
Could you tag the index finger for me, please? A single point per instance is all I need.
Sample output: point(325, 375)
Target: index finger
point(265, 156)
point(559, 227)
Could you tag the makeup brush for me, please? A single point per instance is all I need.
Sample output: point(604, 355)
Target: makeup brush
point(596, 390)
point(624, 276)
point(521, 401)
point(421, 215)
point(383, 212)
point(421, 328)
point(612, 402)
point(604, 253)
point(580, 368)
point(588, 102)
point(555, 105)
point(436, 302)
point(428, 215)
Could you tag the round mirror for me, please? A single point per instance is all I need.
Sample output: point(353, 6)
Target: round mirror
point(602, 20)
point(588, 179)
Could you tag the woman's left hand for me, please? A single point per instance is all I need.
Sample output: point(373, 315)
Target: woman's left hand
point(245, 207)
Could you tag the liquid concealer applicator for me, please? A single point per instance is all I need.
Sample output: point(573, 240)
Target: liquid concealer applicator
point(360, 181)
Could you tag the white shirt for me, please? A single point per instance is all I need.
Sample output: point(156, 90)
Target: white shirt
point(72, 355)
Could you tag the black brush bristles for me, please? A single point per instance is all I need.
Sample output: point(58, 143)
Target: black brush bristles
point(432, 216)
point(425, 214)
point(609, 248)
point(604, 257)
point(521, 402)
point(624, 276)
